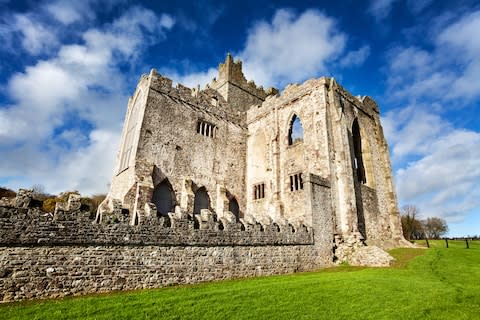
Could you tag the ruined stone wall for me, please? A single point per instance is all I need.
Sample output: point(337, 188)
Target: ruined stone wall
point(169, 141)
point(44, 256)
point(41, 272)
point(124, 173)
point(373, 204)
point(272, 120)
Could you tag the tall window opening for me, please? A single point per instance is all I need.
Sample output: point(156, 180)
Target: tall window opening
point(163, 198)
point(234, 208)
point(128, 143)
point(295, 131)
point(202, 200)
point(357, 149)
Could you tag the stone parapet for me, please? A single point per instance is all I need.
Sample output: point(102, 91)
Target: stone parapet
point(33, 227)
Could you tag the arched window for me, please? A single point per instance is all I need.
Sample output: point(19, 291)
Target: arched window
point(163, 197)
point(202, 200)
point(295, 131)
point(357, 149)
point(234, 208)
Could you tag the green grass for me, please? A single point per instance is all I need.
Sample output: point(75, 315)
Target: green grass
point(436, 283)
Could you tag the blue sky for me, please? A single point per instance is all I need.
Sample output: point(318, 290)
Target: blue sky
point(67, 69)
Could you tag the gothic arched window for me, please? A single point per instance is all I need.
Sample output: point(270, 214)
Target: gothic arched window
point(295, 131)
point(202, 200)
point(357, 149)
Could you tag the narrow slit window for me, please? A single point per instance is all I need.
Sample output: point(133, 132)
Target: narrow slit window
point(206, 129)
point(296, 182)
point(259, 191)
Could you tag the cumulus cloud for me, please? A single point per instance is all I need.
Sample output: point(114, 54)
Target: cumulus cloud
point(450, 71)
point(437, 163)
point(356, 57)
point(291, 47)
point(67, 110)
point(34, 36)
point(194, 79)
point(68, 12)
point(444, 177)
point(314, 42)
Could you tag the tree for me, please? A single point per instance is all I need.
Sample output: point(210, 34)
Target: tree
point(411, 226)
point(39, 192)
point(435, 227)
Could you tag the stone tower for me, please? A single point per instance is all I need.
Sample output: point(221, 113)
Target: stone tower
point(313, 155)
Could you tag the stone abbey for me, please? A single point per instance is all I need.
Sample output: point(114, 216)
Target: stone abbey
point(312, 155)
point(226, 182)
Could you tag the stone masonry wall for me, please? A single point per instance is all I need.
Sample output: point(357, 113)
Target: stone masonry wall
point(55, 271)
point(67, 254)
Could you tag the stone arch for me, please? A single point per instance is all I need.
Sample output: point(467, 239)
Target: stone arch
point(295, 130)
point(201, 200)
point(234, 208)
point(164, 197)
point(363, 161)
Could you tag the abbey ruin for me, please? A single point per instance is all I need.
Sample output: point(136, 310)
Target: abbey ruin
point(229, 181)
point(313, 155)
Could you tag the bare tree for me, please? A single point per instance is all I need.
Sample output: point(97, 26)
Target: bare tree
point(412, 227)
point(39, 192)
point(435, 227)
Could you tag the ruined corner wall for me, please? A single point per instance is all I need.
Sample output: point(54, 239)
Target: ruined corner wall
point(369, 207)
point(169, 141)
point(270, 158)
point(161, 128)
point(43, 256)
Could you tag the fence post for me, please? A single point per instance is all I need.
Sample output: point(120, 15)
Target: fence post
point(446, 241)
point(428, 244)
point(466, 241)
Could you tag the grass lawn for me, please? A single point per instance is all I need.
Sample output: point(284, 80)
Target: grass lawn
point(435, 283)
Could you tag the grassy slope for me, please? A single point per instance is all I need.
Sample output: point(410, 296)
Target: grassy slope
point(440, 284)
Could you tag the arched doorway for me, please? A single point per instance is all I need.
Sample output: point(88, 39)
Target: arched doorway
point(234, 208)
point(163, 198)
point(202, 200)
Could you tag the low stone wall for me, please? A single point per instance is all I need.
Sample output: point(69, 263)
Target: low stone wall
point(55, 271)
point(68, 253)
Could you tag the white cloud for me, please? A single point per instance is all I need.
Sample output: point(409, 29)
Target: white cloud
point(313, 41)
point(291, 47)
point(443, 180)
point(356, 57)
point(68, 12)
point(380, 9)
point(194, 79)
point(41, 133)
point(412, 130)
point(451, 71)
point(462, 42)
point(36, 38)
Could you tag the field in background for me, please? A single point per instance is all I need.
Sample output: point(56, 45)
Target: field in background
point(436, 283)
